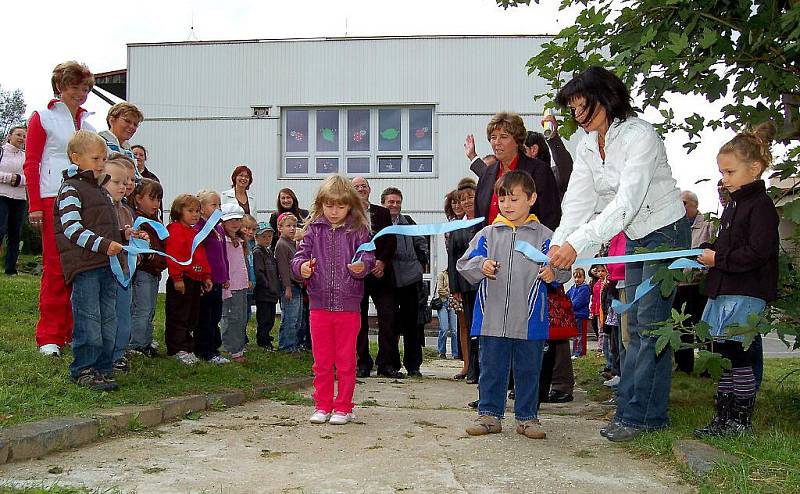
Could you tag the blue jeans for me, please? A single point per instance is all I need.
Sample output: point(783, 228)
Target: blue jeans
point(143, 308)
point(94, 330)
point(498, 356)
point(643, 392)
point(123, 322)
point(291, 320)
point(448, 321)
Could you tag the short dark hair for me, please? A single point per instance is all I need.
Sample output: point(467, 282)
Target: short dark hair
point(390, 191)
point(538, 139)
point(241, 169)
point(598, 86)
point(509, 180)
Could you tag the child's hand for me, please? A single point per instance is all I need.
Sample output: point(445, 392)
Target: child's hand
point(707, 258)
point(140, 234)
point(249, 285)
point(356, 268)
point(127, 231)
point(180, 287)
point(287, 293)
point(490, 268)
point(208, 285)
point(546, 274)
point(226, 285)
point(114, 248)
point(307, 268)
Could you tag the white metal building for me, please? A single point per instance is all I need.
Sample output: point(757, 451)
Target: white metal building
point(394, 109)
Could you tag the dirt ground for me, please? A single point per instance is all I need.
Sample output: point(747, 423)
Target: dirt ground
point(409, 436)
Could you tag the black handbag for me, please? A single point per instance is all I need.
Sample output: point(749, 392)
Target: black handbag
point(436, 301)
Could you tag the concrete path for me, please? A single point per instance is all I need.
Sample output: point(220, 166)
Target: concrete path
point(409, 436)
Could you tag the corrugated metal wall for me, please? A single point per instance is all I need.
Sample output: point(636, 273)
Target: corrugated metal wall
point(196, 98)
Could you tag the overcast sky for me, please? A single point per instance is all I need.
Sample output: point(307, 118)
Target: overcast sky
point(36, 35)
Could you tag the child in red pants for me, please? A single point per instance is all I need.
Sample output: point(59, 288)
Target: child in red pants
point(335, 229)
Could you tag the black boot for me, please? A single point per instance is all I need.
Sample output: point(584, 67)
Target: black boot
point(718, 425)
point(741, 415)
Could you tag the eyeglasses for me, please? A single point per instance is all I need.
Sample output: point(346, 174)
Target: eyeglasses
point(361, 187)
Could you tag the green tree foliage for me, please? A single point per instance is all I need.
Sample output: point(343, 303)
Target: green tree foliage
point(743, 52)
point(12, 110)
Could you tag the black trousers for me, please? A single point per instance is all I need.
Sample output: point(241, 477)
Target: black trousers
point(182, 313)
point(405, 322)
point(468, 301)
point(207, 338)
point(388, 357)
point(265, 319)
point(695, 303)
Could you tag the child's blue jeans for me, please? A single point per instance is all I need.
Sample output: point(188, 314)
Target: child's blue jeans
point(143, 308)
point(94, 294)
point(496, 357)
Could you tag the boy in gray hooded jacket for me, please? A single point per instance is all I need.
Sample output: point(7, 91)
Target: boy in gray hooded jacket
point(511, 310)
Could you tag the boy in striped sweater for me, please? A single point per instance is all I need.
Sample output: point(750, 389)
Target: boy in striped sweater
point(87, 233)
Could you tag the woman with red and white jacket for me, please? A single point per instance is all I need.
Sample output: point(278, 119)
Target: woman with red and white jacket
point(49, 131)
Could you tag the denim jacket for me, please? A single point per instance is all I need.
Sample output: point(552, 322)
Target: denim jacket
point(332, 286)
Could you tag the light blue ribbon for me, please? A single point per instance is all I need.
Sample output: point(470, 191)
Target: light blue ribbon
point(137, 246)
point(417, 231)
point(644, 287)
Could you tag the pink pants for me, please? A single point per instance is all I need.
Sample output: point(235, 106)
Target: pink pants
point(333, 343)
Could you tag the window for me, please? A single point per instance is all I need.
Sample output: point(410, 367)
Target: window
point(396, 141)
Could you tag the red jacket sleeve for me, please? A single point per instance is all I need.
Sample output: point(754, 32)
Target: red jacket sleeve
point(34, 148)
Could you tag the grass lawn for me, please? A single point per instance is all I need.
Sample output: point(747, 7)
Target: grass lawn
point(33, 386)
point(770, 458)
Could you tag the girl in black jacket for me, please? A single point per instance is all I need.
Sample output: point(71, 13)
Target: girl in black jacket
point(743, 274)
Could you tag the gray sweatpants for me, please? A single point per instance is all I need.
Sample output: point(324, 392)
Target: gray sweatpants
point(234, 322)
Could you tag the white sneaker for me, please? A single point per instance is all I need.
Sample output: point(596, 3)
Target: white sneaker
point(574, 357)
point(341, 418)
point(319, 417)
point(192, 357)
point(185, 358)
point(50, 349)
point(614, 381)
point(218, 360)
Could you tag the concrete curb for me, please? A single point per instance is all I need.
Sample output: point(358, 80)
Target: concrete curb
point(37, 439)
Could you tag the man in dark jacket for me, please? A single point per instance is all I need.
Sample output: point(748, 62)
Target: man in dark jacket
point(410, 255)
point(267, 289)
point(378, 285)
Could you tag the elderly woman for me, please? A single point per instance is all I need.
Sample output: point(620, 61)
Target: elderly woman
point(12, 194)
point(123, 119)
point(506, 133)
point(622, 182)
point(241, 180)
point(49, 131)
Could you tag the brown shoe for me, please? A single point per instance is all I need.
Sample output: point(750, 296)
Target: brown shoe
point(531, 429)
point(485, 424)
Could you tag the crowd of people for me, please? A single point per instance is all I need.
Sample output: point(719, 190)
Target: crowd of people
point(506, 314)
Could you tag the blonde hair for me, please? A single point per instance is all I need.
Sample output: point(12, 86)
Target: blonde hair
point(82, 140)
point(124, 108)
point(337, 189)
point(205, 195)
point(753, 145)
point(249, 220)
point(511, 123)
point(122, 160)
point(117, 163)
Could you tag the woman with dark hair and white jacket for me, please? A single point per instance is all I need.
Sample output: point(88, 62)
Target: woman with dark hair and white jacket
point(12, 194)
point(622, 181)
